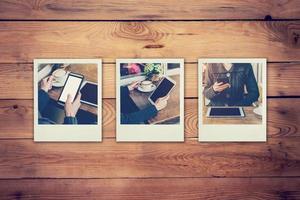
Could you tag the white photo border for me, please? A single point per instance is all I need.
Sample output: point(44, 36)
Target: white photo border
point(150, 133)
point(67, 133)
point(232, 132)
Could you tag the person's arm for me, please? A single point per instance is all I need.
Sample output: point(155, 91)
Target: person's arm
point(139, 116)
point(43, 99)
point(208, 91)
point(252, 89)
point(71, 109)
point(70, 120)
point(124, 91)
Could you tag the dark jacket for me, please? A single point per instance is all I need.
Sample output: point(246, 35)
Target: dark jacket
point(43, 100)
point(240, 76)
point(130, 113)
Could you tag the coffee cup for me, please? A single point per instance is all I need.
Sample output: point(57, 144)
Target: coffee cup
point(59, 75)
point(146, 85)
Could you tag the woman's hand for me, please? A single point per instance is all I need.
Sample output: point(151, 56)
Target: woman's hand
point(219, 87)
point(46, 83)
point(71, 108)
point(133, 85)
point(161, 103)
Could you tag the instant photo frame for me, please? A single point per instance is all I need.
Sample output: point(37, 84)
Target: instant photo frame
point(218, 132)
point(67, 132)
point(150, 132)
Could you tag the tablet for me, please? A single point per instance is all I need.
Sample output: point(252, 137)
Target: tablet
point(228, 112)
point(163, 89)
point(71, 86)
point(89, 93)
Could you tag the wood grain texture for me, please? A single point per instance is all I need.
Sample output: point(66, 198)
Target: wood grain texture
point(283, 80)
point(17, 118)
point(188, 29)
point(149, 9)
point(168, 189)
point(26, 159)
point(25, 41)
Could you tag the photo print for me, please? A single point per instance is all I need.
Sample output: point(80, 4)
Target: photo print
point(67, 100)
point(232, 100)
point(150, 100)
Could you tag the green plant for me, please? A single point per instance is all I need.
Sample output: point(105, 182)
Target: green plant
point(153, 69)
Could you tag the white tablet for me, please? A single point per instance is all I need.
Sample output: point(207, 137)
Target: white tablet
point(164, 88)
point(227, 112)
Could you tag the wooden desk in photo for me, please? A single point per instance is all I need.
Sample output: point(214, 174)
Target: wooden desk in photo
point(250, 118)
point(170, 112)
point(90, 74)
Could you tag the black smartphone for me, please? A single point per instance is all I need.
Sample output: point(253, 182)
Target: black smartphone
point(223, 80)
point(72, 87)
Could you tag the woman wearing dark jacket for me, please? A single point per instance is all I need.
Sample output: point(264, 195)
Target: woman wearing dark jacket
point(131, 114)
point(71, 108)
point(231, 93)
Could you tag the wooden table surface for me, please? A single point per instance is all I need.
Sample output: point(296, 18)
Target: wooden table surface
point(189, 29)
point(170, 112)
point(250, 118)
point(90, 74)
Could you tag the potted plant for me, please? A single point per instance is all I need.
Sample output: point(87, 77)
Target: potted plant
point(154, 71)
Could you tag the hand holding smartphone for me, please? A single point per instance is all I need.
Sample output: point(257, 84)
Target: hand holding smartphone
point(163, 89)
point(71, 87)
point(221, 84)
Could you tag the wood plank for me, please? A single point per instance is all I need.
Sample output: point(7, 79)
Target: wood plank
point(26, 159)
point(162, 188)
point(16, 118)
point(24, 41)
point(17, 81)
point(154, 9)
point(283, 80)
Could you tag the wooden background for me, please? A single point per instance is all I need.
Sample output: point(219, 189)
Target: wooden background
point(111, 29)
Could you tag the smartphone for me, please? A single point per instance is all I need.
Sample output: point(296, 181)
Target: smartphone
point(71, 86)
point(163, 89)
point(223, 80)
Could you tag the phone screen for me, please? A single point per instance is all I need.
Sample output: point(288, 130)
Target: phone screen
point(162, 90)
point(71, 87)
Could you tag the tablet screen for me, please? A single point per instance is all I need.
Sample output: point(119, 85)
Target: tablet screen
point(225, 112)
point(71, 87)
point(162, 90)
point(89, 93)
